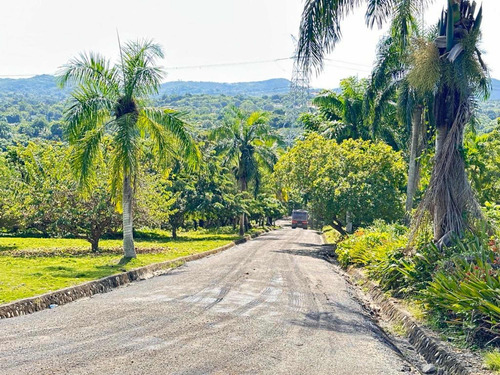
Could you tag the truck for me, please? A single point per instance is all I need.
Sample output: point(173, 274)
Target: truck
point(299, 219)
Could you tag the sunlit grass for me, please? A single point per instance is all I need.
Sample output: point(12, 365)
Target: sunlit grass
point(22, 277)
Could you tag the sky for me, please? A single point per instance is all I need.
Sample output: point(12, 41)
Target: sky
point(203, 40)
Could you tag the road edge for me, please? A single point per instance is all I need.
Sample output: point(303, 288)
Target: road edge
point(106, 284)
point(432, 349)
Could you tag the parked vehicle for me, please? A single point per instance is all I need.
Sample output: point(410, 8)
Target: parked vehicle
point(299, 219)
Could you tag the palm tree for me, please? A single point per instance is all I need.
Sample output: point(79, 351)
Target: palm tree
point(389, 91)
point(342, 112)
point(320, 24)
point(247, 143)
point(111, 101)
point(452, 67)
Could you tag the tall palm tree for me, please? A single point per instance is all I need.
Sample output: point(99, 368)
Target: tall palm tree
point(452, 67)
point(389, 90)
point(247, 143)
point(111, 101)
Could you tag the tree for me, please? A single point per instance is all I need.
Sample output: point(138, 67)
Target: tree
point(112, 100)
point(452, 67)
point(247, 143)
point(49, 197)
point(320, 24)
point(356, 180)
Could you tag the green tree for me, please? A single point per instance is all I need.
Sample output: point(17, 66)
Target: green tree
point(247, 143)
point(451, 67)
point(112, 100)
point(357, 181)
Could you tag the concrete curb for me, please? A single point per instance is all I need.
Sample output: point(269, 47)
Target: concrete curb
point(427, 346)
point(106, 284)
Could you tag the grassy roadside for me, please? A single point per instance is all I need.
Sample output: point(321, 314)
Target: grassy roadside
point(25, 270)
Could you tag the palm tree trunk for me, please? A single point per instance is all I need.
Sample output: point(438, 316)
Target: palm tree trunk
point(243, 187)
point(439, 202)
point(414, 164)
point(128, 227)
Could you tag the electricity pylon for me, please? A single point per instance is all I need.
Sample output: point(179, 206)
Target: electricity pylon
point(298, 98)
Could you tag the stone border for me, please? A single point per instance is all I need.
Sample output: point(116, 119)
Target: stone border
point(106, 284)
point(425, 344)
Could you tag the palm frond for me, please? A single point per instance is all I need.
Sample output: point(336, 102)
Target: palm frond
point(320, 30)
point(378, 11)
point(163, 123)
point(84, 153)
point(88, 108)
point(89, 68)
point(142, 76)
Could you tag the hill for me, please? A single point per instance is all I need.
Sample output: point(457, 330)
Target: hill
point(259, 88)
point(45, 85)
point(495, 89)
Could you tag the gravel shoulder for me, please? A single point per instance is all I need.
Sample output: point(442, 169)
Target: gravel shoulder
point(270, 306)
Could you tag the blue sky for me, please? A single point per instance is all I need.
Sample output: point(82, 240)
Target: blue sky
point(38, 36)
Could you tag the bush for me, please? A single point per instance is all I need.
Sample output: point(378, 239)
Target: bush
point(460, 284)
point(467, 291)
point(492, 360)
point(371, 246)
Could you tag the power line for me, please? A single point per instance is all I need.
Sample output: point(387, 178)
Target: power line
point(227, 64)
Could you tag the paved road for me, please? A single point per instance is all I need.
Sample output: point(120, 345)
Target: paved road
point(268, 306)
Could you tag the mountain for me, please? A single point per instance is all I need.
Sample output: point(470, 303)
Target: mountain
point(495, 89)
point(259, 88)
point(45, 85)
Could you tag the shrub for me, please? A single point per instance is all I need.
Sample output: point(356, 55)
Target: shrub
point(371, 246)
point(467, 291)
point(492, 360)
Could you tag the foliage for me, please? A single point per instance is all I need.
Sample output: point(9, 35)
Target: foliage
point(48, 199)
point(492, 360)
point(370, 246)
point(331, 235)
point(482, 154)
point(460, 284)
point(466, 290)
point(362, 178)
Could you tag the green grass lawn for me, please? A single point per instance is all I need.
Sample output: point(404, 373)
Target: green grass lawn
point(26, 276)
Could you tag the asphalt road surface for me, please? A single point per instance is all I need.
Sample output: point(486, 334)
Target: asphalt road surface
point(269, 306)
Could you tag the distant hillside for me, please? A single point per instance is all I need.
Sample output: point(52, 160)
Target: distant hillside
point(495, 90)
point(259, 88)
point(45, 85)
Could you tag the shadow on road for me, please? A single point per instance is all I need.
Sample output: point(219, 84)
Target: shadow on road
point(325, 252)
point(335, 322)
